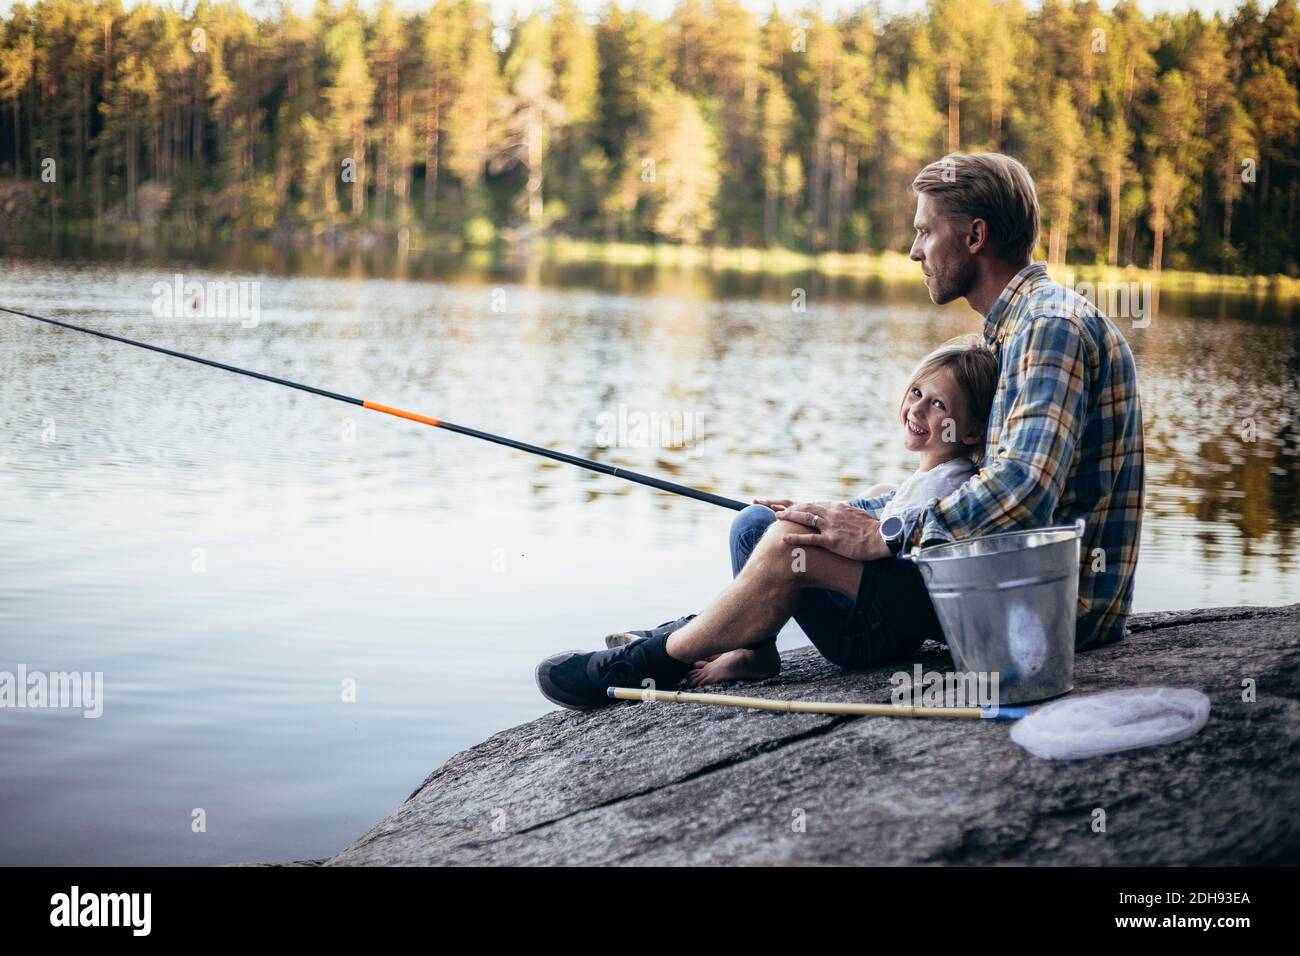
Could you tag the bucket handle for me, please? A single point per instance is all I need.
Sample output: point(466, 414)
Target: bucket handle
point(915, 555)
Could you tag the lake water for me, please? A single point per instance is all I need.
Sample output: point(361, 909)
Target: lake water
point(301, 608)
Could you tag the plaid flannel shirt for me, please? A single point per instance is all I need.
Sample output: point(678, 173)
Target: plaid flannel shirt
point(1064, 442)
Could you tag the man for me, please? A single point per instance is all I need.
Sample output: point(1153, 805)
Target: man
point(1064, 442)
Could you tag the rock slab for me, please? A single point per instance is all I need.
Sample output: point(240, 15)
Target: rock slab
point(681, 784)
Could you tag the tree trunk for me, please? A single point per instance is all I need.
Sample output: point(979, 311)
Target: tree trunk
point(954, 100)
point(817, 183)
point(1263, 196)
point(408, 166)
point(837, 195)
point(1229, 172)
point(1060, 236)
point(196, 130)
point(282, 176)
point(1130, 73)
point(1291, 193)
point(995, 100)
point(1158, 227)
point(535, 133)
point(131, 150)
point(100, 172)
point(1116, 182)
point(430, 161)
point(769, 203)
point(385, 160)
point(18, 137)
point(1093, 238)
point(83, 129)
point(331, 191)
point(851, 188)
point(359, 157)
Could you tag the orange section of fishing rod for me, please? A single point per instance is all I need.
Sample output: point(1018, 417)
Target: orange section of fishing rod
point(402, 413)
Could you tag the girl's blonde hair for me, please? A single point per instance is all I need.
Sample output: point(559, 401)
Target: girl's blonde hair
point(975, 368)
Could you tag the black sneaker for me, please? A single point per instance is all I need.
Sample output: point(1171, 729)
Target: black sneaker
point(631, 637)
point(578, 679)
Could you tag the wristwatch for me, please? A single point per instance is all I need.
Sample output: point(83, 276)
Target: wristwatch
point(891, 529)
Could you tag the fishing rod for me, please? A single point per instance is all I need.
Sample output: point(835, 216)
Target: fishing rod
point(604, 469)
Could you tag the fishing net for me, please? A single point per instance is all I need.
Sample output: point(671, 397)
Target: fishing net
point(1112, 721)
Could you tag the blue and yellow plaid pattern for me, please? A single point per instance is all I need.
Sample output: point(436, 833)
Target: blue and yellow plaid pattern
point(1064, 442)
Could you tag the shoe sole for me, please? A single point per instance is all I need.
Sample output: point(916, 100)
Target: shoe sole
point(537, 678)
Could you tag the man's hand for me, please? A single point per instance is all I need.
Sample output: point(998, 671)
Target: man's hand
point(839, 528)
point(776, 504)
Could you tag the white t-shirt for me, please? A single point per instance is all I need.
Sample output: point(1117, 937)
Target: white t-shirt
point(922, 487)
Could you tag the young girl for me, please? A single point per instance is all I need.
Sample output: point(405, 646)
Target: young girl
point(944, 414)
point(942, 418)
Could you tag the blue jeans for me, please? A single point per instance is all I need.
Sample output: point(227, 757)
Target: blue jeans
point(890, 617)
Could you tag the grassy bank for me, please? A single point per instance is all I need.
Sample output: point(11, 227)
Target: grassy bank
point(889, 265)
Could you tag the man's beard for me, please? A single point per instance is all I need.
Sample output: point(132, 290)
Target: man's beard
point(949, 285)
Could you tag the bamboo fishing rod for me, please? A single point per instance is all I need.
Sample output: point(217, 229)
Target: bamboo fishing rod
point(604, 469)
point(816, 707)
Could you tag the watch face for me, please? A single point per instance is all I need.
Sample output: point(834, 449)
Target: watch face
point(891, 527)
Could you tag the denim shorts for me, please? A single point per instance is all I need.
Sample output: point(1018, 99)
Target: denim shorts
point(890, 617)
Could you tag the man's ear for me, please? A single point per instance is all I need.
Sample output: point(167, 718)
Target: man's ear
point(977, 235)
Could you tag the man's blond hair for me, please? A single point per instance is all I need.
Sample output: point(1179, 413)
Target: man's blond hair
point(989, 186)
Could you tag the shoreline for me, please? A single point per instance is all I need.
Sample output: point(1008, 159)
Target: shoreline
point(888, 266)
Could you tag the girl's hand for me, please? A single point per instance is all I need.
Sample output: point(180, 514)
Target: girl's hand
point(776, 504)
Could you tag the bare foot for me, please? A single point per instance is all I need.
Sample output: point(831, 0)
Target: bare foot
point(743, 664)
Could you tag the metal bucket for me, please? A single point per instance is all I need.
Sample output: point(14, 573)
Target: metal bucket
point(1007, 603)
